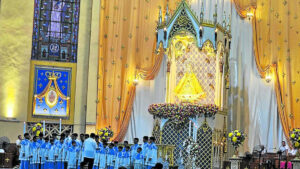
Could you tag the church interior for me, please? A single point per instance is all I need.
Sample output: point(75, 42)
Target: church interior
point(194, 84)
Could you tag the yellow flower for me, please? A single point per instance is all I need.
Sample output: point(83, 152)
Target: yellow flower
point(299, 138)
point(296, 144)
point(234, 139)
point(230, 134)
point(42, 129)
point(38, 133)
point(105, 129)
point(39, 124)
point(238, 134)
point(293, 135)
point(100, 133)
point(236, 131)
point(106, 134)
point(34, 128)
point(103, 138)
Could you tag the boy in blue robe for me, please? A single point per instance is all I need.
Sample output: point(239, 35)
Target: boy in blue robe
point(119, 157)
point(126, 157)
point(110, 156)
point(59, 154)
point(103, 152)
point(25, 152)
point(54, 136)
point(139, 159)
point(81, 141)
point(65, 150)
point(34, 152)
point(97, 154)
point(50, 155)
point(145, 147)
point(41, 142)
point(133, 150)
point(72, 156)
point(151, 154)
point(43, 152)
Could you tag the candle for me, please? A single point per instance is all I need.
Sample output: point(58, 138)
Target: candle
point(44, 127)
point(24, 128)
point(60, 126)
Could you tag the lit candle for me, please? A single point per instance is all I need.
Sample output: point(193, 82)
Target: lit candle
point(60, 126)
point(24, 128)
point(44, 127)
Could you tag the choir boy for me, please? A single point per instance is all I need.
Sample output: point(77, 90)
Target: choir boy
point(65, 150)
point(56, 141)
point(119, 157)
point(110, 156)
point(72, 156)
point(133, 150)
point(145, 147)
point(116, 146)
point(151, 154)
point(59, 154)
point(25, 152)
point(125, 143)
point(43, 152)
point(97, 155)
point(41, 139)
point(81, 141)
point(103, 155)
point(34, 151)
point(126, 158)
point(50, 155)
point(138, 159)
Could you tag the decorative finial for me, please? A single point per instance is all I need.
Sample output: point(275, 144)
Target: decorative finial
point(224, 20)
point(160, 16)
point(167, 16)
point(229, 23)
point(215, 14)
point(202, 13)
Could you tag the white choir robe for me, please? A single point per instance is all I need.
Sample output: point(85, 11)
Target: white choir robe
point(72, 156)
point(42, 154)
point(66, 147)
point(133, 150)
point(118, 159)
point(103, 153)
point(125, 159)
point(59, 154)
point(110, 158)
point(138, 161)
point(151, 153)
point(34, 152)
point(97, 159)
point(50, 155)
point(24, 154)
point(145, 148)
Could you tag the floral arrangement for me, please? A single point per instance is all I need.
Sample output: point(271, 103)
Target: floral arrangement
point(37, 129)
point(106, 133)
point(180, 113)
point(295, 138)
point(236, 138)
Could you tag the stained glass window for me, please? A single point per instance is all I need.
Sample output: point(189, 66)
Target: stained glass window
point(55, 30)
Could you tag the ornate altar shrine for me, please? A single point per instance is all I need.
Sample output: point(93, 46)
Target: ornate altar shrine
point(197, 53)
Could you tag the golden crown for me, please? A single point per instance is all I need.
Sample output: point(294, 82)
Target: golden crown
point(53, 75)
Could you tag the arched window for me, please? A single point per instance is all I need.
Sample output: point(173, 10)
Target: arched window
point(55, 30)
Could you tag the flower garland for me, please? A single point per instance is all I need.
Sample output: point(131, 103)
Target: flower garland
point(236, 138)
point(105, 133)
point(180, 113)
point(37, 129)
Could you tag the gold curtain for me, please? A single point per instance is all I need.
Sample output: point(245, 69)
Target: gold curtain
point(126, 51)
point(276, 40)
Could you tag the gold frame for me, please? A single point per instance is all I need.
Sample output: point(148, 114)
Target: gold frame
point(34, 63)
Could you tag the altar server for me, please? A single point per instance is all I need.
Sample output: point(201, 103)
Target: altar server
point(72, 156)
point(50, 155)
point(59, 147)
point(138, 159)
point(119, 157)
point(43, 152)
point(25, 152)
point(151, 154)
point(133, 150)
point(34, 152)
point(103, 154)
point(110, 156)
